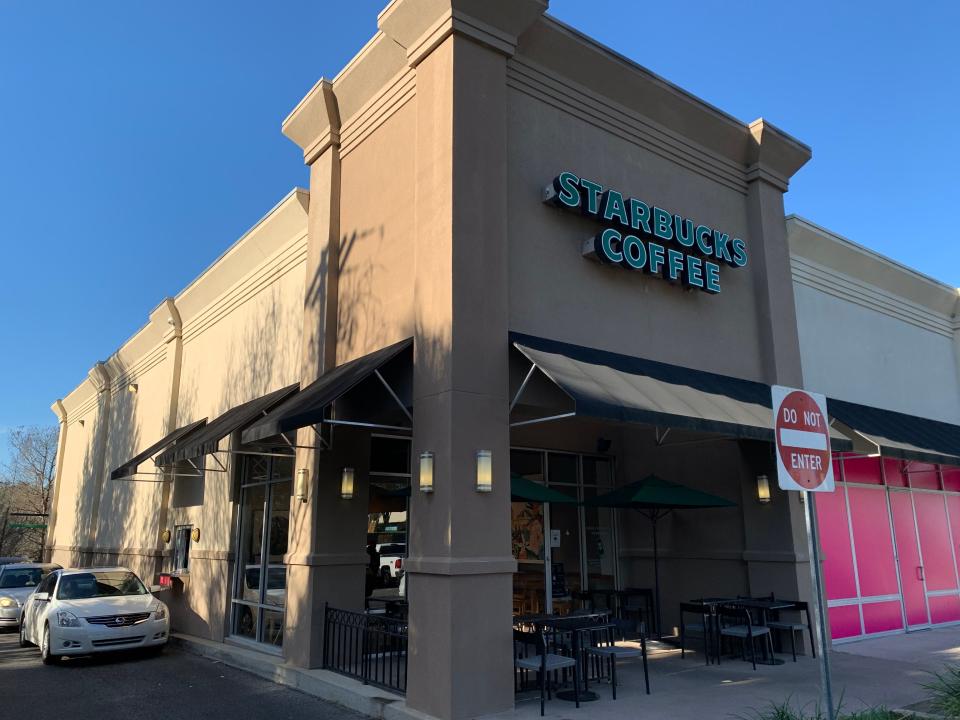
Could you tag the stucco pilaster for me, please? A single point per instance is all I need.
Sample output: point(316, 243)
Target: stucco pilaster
point(60, 411)
point(101, 378)
point(325, 558)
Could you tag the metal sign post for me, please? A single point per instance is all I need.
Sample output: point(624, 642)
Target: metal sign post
point(820, 606)
point(804, 462)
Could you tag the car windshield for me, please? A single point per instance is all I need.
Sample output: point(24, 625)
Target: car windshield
point(20, 577)
point(99, 584)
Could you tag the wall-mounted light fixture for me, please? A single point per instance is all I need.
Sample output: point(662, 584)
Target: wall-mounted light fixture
point(82, 422)
point(166, 535)
point(484, 471)
point(195, 534)
point(346, 483)
point(426, 471)
point(132, 388)
point(763, 489)
point(300, 488)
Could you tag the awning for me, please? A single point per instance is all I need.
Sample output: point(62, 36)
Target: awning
point(129, 468)
point(308, 407)
point(208, 440)
point(899, 435)
point(623, 388)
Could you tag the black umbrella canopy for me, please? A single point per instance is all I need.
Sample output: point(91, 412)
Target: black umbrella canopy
point(655, 493)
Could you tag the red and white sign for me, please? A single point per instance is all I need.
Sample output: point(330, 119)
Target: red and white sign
point(803, 440)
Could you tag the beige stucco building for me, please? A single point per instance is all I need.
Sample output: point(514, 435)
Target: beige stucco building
point(436, 313)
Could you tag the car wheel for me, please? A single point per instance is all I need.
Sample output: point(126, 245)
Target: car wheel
point(45, 655)
point(23, 634)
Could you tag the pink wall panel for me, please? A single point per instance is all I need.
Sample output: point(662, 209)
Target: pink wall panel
point(953, 511)
point(882, 616)
point(844, 621)
point(862, 470)
point(873, 542)
point(893, 473)
point(944, 609)
point(935, 541)
point(951, 478)
point(923, 476)
point(835, 541)
point(905, 530)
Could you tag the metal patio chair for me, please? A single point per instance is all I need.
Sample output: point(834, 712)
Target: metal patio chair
point(702, 629)
point(600, 642)
point(793, 628)
point(735, 622)
point(543, 662)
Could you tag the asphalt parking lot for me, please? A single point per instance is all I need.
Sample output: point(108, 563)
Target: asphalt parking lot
point(119, 686)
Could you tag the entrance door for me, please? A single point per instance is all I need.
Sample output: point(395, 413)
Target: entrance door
point(565, 558)
point(937, 563)
point(909, 560)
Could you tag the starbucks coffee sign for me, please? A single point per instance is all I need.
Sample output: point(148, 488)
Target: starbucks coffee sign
point(647, 238)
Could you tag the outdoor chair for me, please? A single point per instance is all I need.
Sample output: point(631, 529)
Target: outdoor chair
point(736, 622)
point(702, 628)
point(794, 627)
point(600, 643)
point(543, 662)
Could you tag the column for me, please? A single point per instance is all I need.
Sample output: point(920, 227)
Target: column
point(100, 378)
point(61, 412)
point(775, 534)
point(326, 561)
point(460, 566)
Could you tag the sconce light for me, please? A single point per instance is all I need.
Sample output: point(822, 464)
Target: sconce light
point(484, 471)
point(166, 535)
point(195, 535)
point(426, 472)
point(300, 488)
point(763, 489)
point(82, 422)
point(346, 483)
point(132, 388)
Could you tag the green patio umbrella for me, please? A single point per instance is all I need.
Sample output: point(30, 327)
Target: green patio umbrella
point(523, 489)
point(520, 489)
point(655, 497)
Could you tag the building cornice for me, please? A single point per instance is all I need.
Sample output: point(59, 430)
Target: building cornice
point(314, 124)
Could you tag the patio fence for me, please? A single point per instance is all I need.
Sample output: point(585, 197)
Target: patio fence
point(369, 648)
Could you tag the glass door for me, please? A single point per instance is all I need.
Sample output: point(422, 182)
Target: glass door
point(565, 557)
point(259, 597)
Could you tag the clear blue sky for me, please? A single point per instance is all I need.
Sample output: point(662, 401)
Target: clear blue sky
point(138, 140)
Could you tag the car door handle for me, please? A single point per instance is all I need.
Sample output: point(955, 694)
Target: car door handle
point(920, 572)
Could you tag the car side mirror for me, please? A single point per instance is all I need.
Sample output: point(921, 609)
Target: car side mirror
point(42, 596)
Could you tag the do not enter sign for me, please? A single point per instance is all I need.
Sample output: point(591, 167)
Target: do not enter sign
point(803, 440)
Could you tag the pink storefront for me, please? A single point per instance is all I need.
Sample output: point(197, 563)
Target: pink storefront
point(890, 544)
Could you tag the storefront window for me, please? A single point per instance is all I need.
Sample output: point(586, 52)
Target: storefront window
point(390, 464)
point(261, 587)
point(565, 553)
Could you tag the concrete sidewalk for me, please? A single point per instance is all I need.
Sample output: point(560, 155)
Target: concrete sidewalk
point(886, 672)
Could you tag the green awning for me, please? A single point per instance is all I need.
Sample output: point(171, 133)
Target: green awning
point(522, 489)
point(655, 493)
point(899, 435)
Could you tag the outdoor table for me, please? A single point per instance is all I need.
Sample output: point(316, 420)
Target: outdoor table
point(761, 604)
point(573, 624)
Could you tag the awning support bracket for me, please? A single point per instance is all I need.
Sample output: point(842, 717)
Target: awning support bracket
point(561, 416)
point(393, 395)
point(523, 386)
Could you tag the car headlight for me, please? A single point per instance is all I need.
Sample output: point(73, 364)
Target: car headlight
point(159, 610)
point(67, 619)
point(6, 602)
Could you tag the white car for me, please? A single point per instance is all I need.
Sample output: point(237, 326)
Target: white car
point(17, 582)
point(79, 612)
point(392, 556)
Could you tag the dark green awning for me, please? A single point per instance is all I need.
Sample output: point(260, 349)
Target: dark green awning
point(208, 440)
point(623, 388)
point(309, 405)
point(899, 435)
point(129, 468)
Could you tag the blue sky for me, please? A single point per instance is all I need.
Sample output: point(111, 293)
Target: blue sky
point(138, 140)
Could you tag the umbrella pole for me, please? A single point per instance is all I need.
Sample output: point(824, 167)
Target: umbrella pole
point(656, 573)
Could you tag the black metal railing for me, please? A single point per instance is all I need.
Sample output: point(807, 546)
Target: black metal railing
point(369, 648)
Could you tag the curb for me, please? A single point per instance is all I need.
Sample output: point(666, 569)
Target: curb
point(323, 684)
